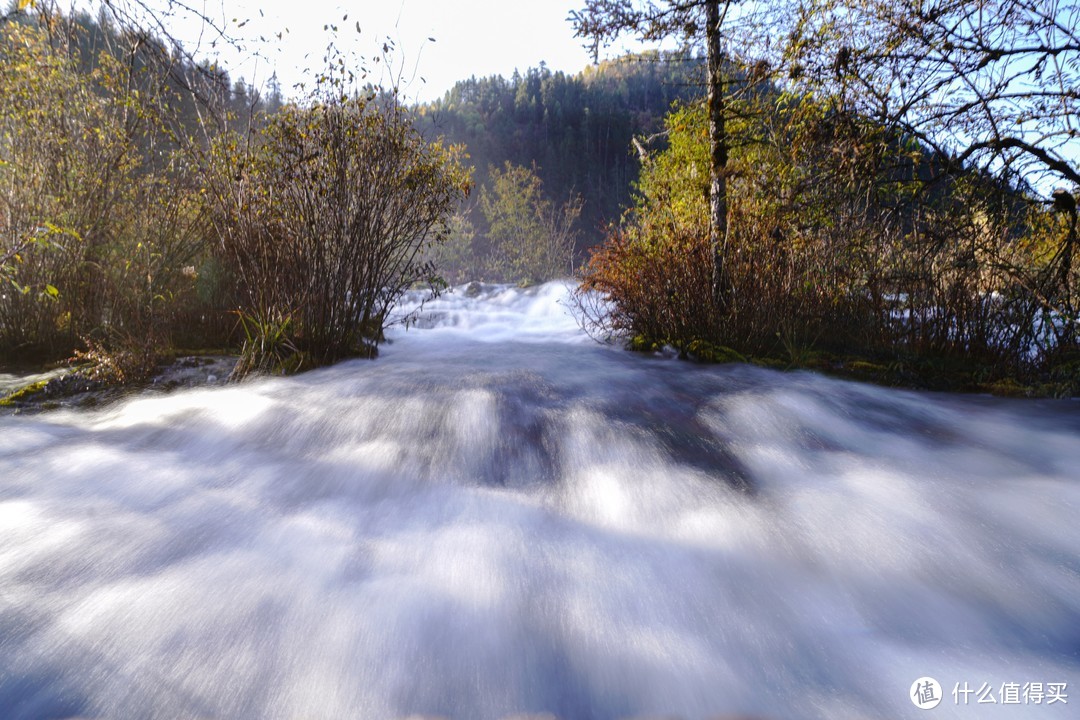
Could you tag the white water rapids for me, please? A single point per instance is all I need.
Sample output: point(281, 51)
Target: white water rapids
point(499, 516)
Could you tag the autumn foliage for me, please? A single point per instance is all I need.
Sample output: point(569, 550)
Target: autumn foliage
point(844, 241)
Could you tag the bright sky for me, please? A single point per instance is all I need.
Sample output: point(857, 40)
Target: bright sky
point(471, 37)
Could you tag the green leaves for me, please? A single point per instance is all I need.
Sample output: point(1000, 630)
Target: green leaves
point(81, 148)
point(531, 239)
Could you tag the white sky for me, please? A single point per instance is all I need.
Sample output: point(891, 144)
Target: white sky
point(472, 37)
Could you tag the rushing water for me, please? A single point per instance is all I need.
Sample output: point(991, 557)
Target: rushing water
point(499, 516)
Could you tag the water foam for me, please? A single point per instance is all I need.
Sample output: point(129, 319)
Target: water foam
point(498, 517)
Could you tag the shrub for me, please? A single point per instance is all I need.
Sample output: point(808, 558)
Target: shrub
point(99, 232)
point(323, 215)
point(656, 268)
point(842, 237)
point(531, 238)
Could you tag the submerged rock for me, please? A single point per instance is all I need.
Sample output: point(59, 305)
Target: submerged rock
point(72, 388)
point(69, 385)
point(193, 371)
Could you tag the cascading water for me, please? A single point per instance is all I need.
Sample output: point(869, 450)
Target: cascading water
point(499, 516)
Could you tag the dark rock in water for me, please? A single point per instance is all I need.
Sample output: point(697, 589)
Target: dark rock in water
point(193, 361)
point(52, 393)
point(70, 384)
point(193, 371)
point(74, 389)
point(473, 289)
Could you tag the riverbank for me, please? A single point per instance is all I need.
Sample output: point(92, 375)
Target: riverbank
point(27, 391)
point(953, 375)
point(34, 389)
point(934, 374)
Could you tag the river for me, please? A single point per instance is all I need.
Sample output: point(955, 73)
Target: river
point(501, 516)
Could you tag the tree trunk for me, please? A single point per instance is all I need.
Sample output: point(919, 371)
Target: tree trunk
point(1064, 284)
point(718, 150)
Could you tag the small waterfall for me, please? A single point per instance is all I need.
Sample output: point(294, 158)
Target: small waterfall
point(499, 516)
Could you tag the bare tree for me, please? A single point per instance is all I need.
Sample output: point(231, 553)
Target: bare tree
point(987, 85)
point(994, 83)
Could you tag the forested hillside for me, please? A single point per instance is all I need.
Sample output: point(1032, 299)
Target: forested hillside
point(575, 131)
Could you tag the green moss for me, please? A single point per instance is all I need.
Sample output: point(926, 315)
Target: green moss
point(22, 394)
point(708, 352)
point(862, 366)
point(1063, 378)
point(641, 343)
point(770, 362)
point(937, 373)
point(1008, 387)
